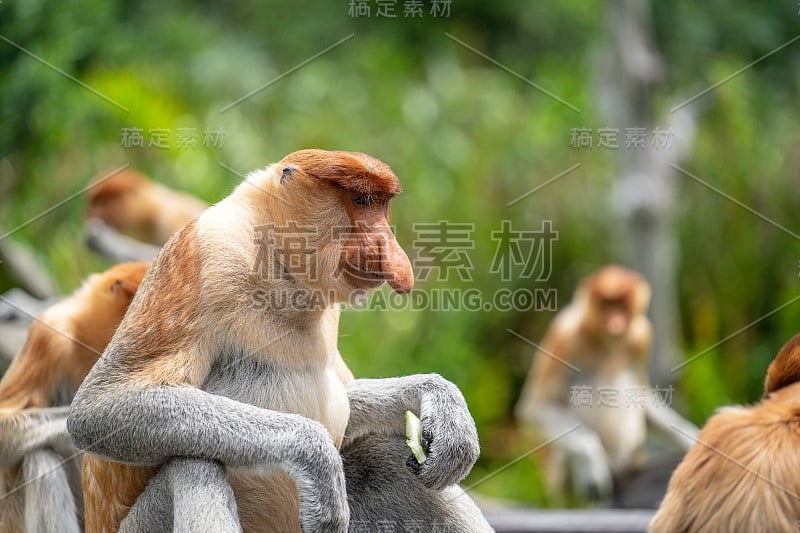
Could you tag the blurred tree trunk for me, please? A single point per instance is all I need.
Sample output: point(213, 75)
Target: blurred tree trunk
point(645, 192)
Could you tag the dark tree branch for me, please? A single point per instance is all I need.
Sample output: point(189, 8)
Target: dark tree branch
point(108, 242)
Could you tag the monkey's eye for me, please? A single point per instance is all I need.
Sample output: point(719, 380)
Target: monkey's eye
point(362, 200)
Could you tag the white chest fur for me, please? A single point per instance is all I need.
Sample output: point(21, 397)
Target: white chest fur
point(616, 412)
point(313, 391)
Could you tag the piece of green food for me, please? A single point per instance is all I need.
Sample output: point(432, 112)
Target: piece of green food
point(414, 436)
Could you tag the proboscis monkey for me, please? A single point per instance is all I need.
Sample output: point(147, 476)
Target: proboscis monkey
point(741, 475)
point(37, 493)
point(213, 373)
point(589, 379)
point(140, 208)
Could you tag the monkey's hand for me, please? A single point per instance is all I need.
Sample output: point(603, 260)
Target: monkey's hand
point(587, 462)
point(318, 471)
point(589, 471)
point(149, 425)
point(449, 435)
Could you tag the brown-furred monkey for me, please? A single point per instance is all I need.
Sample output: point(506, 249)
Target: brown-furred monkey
point(227, 366)
point(741, 475)
point(588, 386)
point(37, 494)
point(140, 208)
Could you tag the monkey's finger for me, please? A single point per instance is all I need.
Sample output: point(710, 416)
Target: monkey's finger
point(413, 464)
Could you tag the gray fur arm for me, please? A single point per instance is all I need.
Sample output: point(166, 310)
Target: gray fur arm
point(31, 429)
point(187, 495)
point(378, 406)
point(148, 425)
point(666, 419)
point(587, 460)
point(49, 493)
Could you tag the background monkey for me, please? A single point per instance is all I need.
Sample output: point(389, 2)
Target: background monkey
point(600, 344)
point(140, 208)
point(741, 475)
point(196, 370)
point(62, 345)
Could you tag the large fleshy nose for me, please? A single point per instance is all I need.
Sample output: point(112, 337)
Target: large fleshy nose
point(396, 267)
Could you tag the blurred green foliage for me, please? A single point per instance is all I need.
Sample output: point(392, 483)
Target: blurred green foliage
point(464, 136)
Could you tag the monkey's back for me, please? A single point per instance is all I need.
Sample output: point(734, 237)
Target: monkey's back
point(110, 488)
point(741, 475)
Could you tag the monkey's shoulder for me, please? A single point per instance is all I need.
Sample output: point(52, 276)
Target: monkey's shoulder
point(171, 282)
point(777, 412)
point(568, 320)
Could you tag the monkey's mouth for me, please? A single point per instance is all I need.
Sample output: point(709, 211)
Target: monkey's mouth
point(373, 273)
point(366, 277)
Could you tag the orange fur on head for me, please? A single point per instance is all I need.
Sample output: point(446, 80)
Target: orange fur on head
point(742, 473)
point(616, 283)
point(785, 368)
point(353, 171)
point(613, 295)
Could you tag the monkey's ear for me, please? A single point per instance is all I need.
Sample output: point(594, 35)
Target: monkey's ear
point(124, 287)
point(785, 368)
point(287, 173)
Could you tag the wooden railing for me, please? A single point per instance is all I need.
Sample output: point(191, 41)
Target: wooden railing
point(572, 521)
